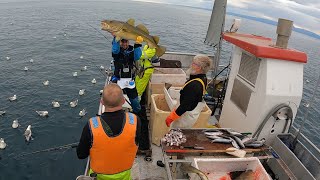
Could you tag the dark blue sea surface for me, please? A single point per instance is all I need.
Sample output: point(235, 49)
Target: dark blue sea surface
point(55, 35)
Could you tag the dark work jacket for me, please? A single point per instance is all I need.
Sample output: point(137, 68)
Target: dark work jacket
point(125, 58)
point(191, 94)
point(116, 122)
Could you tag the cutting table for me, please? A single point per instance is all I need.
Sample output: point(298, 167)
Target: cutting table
point(198, 145)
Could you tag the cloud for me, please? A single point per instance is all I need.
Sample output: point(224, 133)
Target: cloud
point(304, 13)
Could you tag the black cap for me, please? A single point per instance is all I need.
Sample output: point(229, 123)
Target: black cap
point(124, 40)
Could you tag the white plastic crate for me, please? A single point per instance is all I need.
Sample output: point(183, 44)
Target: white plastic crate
point(169, 75)
point(219, 168)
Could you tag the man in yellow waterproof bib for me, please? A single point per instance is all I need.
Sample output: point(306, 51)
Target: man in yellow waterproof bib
point(191, 95)
point(111, 139)
point(142, 79)
point(146, 69)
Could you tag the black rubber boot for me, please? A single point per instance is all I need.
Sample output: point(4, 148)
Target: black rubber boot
point(160, 163)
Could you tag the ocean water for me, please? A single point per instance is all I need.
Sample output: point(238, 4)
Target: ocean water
point(55, 35)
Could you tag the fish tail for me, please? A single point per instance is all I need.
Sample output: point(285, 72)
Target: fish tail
point(160, 50)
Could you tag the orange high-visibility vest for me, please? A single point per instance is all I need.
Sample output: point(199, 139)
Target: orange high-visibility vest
point(112, 155)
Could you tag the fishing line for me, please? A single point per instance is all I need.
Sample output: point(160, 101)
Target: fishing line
point(97, 30)
point(66, 146)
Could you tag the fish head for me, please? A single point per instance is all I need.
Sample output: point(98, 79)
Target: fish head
point(111, 26)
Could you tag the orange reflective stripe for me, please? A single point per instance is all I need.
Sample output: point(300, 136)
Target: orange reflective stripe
point(112, 155)
point(197, 79)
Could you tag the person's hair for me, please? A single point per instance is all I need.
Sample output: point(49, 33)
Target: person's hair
point(203, 61)
point(112, 96)
point(124, 40)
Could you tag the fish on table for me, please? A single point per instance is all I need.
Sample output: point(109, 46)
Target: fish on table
point(128, 30)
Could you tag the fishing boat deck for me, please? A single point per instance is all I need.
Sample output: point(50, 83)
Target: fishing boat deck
point(143, 169)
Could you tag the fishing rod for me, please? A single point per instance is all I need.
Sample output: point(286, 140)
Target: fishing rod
point(58, 148)
point(298, 133)
point(97, 30)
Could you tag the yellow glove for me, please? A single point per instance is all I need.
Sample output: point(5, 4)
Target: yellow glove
point(149, 52)
point(139, 40)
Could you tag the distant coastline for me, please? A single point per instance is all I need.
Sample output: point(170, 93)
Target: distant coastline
point(266, 21)
point(271, 22)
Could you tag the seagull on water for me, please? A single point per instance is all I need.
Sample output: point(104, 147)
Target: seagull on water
point(55, 104)
point(94, 81)
point(101, 91)
point(84, 68)
point(43, 113)
point(25, 68)
point(83, 112)
point(8, 58)
point(46, 82)
point(81, 92)
point(15, 124)
point(13, 98)
point(28, 133)
point(2, 144)
point(74, 103)
point(101, 68)
point(81, 57)
point(75, 74)
point(2, 113)
point(31, 60)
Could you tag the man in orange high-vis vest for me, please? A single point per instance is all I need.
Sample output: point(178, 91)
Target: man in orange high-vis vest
point(191, 95)
point(112, 139)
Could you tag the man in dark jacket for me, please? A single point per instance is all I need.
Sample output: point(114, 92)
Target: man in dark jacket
point(112, 139)
point(191, 95)
point(124, 56)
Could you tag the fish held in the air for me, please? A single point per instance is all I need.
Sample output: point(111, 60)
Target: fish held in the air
point(28, 133)
point(127, 30)
point(187, 168)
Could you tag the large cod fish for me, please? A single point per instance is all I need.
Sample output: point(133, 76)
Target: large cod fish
point(127, 30)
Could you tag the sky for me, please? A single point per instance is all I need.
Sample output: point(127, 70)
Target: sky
point(304, 13)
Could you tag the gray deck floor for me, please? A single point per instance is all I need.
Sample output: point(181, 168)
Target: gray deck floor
point(149, 170)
